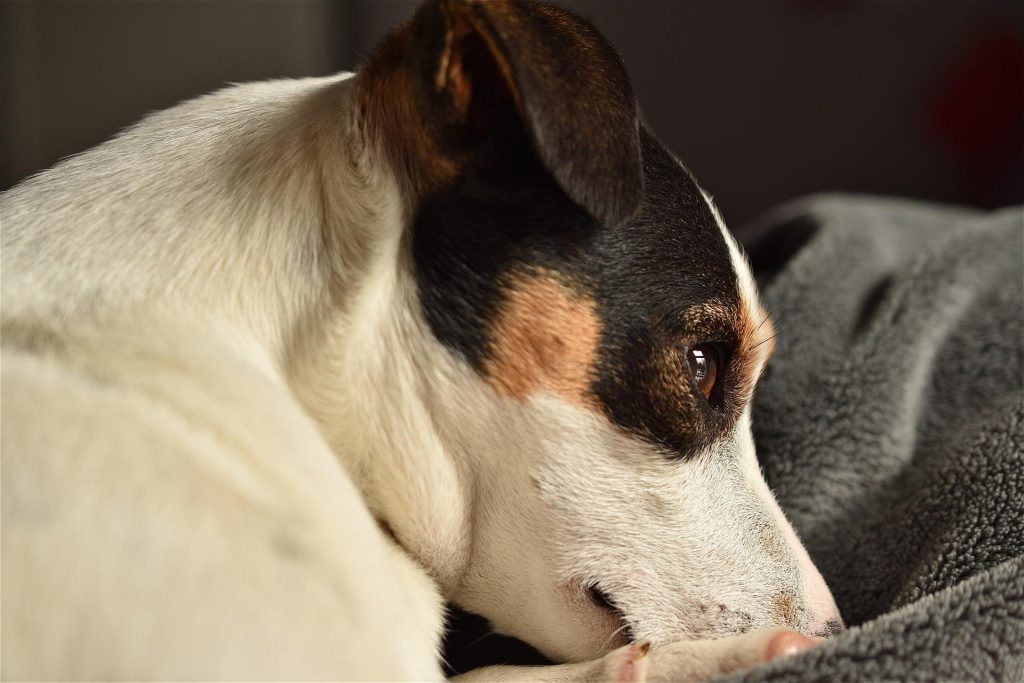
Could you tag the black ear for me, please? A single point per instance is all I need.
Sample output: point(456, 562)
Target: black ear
point(566, 86)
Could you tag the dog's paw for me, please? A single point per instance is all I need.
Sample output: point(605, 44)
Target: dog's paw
point(626, 664)
point(785, 642)
point(684, 660)
point(700, 660)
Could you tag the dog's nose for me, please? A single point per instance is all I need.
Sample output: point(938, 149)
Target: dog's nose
point(822, 614)
point(825, 619)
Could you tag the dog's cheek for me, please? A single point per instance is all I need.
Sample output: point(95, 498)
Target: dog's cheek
point(677, 544)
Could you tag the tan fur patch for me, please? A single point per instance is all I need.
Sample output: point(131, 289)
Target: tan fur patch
point(397, 119)
point(756, 344)
point(671, 387)
point(451, 75)
point(386, 106)
point(784, 606)
point(545, 337)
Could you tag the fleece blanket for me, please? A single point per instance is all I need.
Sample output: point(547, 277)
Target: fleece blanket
point(890, 425)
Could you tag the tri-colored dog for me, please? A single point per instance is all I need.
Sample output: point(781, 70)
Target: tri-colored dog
point(288, 366)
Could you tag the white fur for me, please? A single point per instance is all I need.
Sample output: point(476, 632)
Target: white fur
point(744, 277)
point(218, 385)
point(813, 586)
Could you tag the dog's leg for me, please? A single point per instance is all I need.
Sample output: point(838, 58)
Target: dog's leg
point(684, 660)
point(628, 663)
point(209, 535)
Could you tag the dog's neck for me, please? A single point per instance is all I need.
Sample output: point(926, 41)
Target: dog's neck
point(367, 369)
point(274, 232)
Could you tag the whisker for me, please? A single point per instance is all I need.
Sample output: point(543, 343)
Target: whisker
point(616, 632)
point(763, 341)
point(445, 664)
point(477, 640)
point(766, 316)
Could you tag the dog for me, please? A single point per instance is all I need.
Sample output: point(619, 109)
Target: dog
point(288, 367)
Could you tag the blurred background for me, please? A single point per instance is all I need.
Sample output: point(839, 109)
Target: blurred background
point(764, 101)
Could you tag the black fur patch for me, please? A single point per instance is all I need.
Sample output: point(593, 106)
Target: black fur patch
point(652, 280)
point(515, 127)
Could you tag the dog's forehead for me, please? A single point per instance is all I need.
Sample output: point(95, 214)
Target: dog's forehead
point(539, 296)
point(672, 259)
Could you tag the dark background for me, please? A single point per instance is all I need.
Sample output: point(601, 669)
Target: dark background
point(765, 101)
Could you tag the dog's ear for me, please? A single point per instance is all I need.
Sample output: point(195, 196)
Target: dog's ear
point(461, 73)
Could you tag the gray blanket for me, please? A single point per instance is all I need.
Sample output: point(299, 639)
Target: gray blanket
point(891, 427)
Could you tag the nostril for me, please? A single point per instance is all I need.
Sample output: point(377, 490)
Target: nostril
point(832, 627)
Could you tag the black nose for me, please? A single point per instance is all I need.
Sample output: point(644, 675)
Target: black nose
point(831, 628)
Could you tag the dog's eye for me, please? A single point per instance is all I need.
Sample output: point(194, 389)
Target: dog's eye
point(704, 361)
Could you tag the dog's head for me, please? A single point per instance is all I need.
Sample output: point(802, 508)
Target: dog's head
point(577, 268)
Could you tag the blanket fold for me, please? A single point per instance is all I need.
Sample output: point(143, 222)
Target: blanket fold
point(891, 428)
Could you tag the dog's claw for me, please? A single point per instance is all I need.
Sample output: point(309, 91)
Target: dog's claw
point(629, 663)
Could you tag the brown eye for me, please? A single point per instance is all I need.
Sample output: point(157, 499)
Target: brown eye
point(703, 360)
